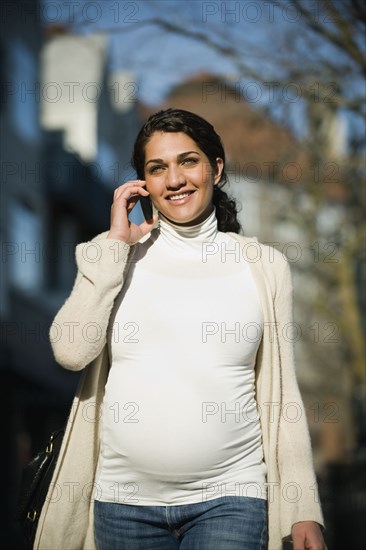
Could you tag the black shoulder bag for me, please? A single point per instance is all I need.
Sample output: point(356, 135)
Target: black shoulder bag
point(35, 481)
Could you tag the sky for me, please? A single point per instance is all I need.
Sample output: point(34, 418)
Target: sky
point(159, 59)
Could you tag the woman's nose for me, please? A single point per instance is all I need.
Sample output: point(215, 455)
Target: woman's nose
point(175, 177)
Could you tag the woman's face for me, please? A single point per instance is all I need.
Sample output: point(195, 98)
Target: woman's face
point(179, 177)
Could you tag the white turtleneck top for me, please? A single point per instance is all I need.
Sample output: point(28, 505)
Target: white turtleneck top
point(180, 423)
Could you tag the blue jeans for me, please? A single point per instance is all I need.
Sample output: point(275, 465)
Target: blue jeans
point(225, 523)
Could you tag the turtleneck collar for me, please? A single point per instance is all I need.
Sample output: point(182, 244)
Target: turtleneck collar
point(187, 239)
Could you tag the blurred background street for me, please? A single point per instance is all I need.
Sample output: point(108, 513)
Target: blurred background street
point(283, 83)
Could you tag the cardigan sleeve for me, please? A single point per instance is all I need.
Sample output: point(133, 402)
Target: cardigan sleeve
point(299, 490)
point(78, 331)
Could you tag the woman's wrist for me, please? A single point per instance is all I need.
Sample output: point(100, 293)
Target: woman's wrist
point(115, 236)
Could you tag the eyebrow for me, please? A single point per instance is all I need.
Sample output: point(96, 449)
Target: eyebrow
point(179, 157)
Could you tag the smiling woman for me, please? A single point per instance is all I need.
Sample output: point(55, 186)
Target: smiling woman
point(191, 445)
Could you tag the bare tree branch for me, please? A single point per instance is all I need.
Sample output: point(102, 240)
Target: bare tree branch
point(344, 41)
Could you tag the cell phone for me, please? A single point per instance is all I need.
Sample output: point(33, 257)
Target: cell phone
point(146, 206)
point(287, 543)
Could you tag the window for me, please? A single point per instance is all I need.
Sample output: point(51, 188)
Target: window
point(25, 92)
point(24, 254)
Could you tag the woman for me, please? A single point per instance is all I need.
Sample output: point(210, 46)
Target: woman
point(182, 434)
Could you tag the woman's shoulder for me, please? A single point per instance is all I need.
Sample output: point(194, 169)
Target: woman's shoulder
point(266, 262)
point(255, 250)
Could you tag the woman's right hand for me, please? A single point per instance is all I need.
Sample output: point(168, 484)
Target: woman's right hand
point(125, 198)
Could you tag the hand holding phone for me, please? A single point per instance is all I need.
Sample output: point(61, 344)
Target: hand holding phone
point(125, 199)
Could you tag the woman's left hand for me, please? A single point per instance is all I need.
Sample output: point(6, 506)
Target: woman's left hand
point(307, 535)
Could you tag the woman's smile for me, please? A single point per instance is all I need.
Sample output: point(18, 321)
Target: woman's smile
point(180, 198)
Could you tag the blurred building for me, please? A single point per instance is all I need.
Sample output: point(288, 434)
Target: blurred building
point(66, 134)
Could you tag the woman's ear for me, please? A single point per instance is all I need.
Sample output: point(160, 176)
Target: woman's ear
point(219, 169)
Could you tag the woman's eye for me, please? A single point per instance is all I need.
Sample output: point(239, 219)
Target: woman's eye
point(190, 160)
point(155, 169)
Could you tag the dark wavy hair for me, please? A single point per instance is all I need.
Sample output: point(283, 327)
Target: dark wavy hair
point(204, 135)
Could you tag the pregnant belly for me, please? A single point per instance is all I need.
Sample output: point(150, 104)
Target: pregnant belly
point(176, 430)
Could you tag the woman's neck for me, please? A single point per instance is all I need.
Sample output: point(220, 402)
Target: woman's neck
point(187, 238)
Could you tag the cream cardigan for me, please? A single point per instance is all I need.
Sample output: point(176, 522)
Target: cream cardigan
point(78, 339)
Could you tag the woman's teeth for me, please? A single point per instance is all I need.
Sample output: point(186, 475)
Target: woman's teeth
point(177, 197)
